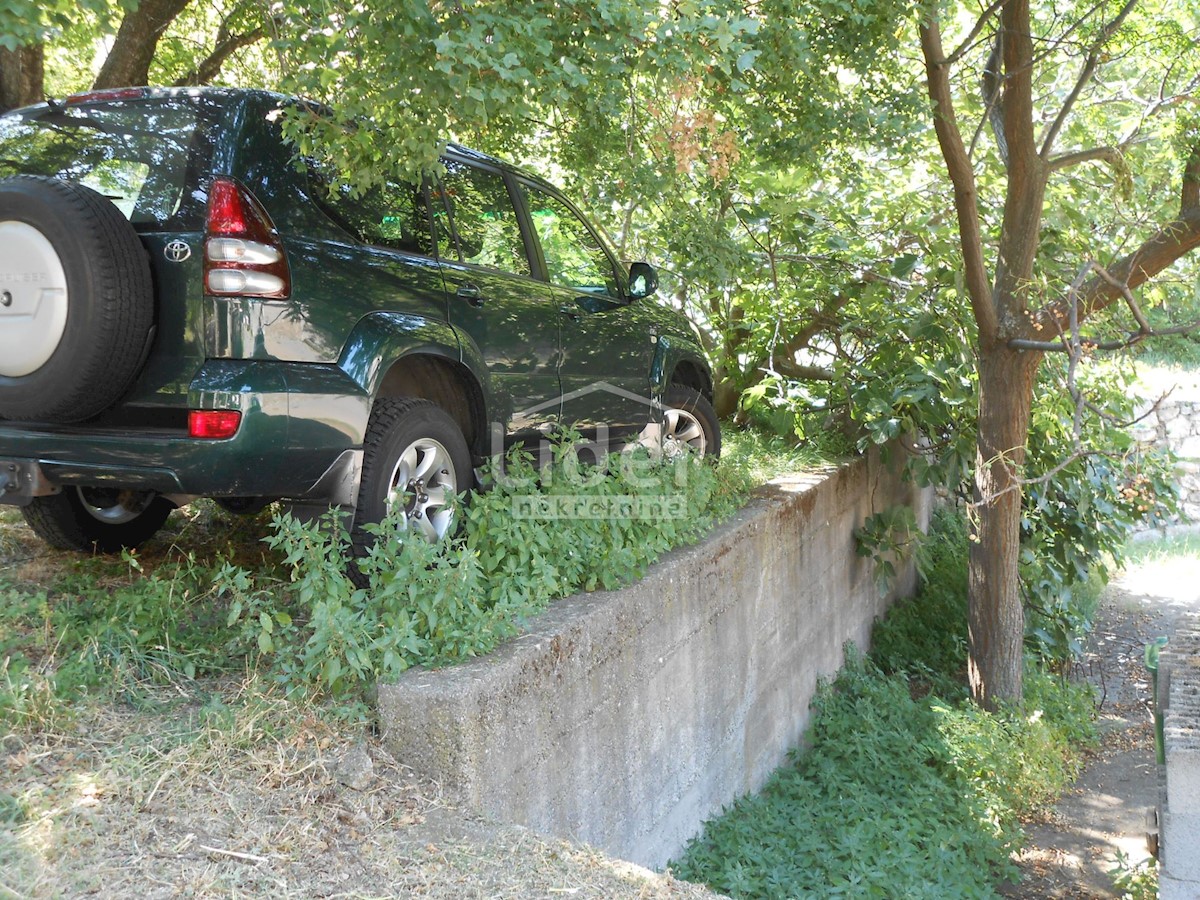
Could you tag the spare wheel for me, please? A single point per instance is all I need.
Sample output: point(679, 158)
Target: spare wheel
point(76, 301)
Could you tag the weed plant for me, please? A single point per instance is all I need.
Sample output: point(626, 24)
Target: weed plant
point(905, 789)
point(117, 628)
point(539, 533)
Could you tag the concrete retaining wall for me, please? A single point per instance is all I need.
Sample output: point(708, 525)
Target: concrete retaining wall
point(624, 719)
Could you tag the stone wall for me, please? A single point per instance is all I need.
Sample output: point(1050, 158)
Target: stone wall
point(1179, 807)
point(624, 719)
point(1176, 424)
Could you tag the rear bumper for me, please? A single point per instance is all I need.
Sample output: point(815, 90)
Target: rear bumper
point(300, 438)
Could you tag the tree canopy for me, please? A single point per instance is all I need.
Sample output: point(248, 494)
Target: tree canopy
point(890, 218)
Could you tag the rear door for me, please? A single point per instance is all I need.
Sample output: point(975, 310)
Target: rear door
point(494, 298)
point(380, 258)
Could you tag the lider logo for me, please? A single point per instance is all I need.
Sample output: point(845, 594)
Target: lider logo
point(24, 277)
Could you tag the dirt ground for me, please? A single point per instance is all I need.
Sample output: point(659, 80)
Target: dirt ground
point(1073, 851)
point(128, 806)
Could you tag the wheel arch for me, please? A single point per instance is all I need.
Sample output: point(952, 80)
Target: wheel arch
point(391, 355)
point(694, 374)
point(446, 382)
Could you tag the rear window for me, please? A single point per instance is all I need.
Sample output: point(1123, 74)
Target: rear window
point(144, 155)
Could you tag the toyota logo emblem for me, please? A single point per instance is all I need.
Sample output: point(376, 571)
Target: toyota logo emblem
point(177, 251)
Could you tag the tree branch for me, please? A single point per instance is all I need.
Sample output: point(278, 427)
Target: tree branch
point(22, 76)
point(990, 86)
point(1085, 75)
point(978, 27)
point(962, 176)
point(227, 45)
point(1177, 238)
point(1138, 315)
point(1172, 241)
point(1111, 155)
point(1088, 343)
point(822, 320)
point(1189, 194)
point(790, 369)
point(1017, 98)
point(128, 62)
point(1026, 173)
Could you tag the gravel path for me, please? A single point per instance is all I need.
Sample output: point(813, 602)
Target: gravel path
point(1070, 854)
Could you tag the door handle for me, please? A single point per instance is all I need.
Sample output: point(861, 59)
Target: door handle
point(470, 292)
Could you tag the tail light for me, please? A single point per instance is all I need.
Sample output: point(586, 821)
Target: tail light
point(214, 424)
point(243, 254)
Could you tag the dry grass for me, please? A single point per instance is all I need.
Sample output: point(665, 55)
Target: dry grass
point(252, 803)
point(205, 789)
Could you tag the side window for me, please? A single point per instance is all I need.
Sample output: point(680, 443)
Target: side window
point(390, 215)
point(574, 258)
point(484, 220)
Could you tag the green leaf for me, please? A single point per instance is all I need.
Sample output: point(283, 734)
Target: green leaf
point(747, 58)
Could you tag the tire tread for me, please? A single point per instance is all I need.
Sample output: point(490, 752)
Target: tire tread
point(386, 416)
point(117, 269)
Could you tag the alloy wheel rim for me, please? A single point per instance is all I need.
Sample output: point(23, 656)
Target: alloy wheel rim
point(422, 487)
point(682, 432)
point(114, 506)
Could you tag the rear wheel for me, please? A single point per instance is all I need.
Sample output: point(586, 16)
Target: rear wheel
point(415, 464)
point(94, 518)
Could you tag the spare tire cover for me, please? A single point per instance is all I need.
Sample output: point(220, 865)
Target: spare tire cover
point(76, 301)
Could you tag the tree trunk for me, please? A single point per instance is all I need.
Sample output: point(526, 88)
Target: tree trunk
point(996, 618)
point(128, 63)
point(21, 77)
point(725, 394)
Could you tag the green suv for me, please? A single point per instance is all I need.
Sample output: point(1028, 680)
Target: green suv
point(188, 310)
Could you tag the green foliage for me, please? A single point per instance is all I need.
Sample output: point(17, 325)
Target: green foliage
point(1173, 309)
point(889, 537)
point(1135, 881)
point(536, 535)
point(894, 796)
point(765, 455)
point(897, 371)
point(870, 809)
point(119, 628)
point(925, 637)
point(109, 632)
point(902, 790)
point(1076, 520)
point(598, 76)
point(24, 22)
point(1075, 526)
point(1171, 546)
point(777, 160)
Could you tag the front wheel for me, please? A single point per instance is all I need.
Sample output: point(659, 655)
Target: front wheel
point(97, 518)
point(415, 464)
point(689, 424)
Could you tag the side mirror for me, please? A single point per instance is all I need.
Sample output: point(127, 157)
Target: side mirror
point(643, 280)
